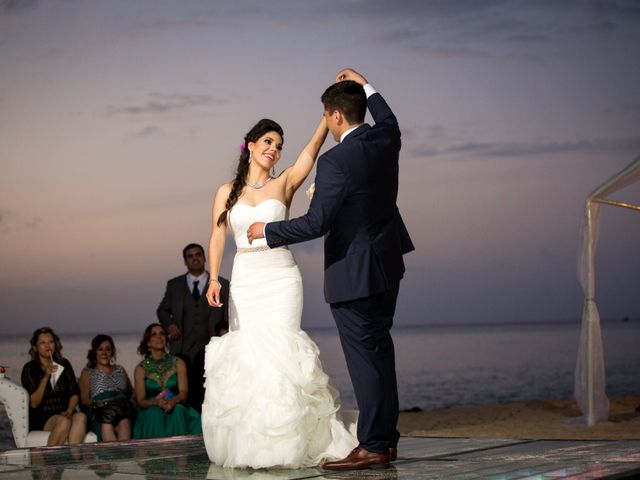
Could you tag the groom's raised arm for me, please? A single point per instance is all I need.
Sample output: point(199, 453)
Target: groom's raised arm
point(378, 107)
point(382, 113)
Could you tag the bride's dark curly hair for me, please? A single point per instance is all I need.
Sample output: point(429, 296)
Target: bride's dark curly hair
point(259, 129)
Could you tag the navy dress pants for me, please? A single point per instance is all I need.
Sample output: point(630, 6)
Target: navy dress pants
point(364, 326)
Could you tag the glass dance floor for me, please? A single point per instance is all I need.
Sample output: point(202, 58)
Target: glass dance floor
point(419, 458)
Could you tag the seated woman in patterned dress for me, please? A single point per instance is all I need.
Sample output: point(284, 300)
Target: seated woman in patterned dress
point(161, 389)
point(53, 391)
point(105, 389)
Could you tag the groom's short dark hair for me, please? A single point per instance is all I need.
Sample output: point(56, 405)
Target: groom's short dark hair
point(348, 98)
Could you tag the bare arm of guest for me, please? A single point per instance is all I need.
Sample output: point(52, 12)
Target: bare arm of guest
point(85, 388)
point(141, 391)
point(183, 387)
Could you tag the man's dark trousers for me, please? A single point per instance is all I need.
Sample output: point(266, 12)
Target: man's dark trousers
point(364, 327)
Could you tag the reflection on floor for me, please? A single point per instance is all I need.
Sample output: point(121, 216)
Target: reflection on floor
point(419, 458)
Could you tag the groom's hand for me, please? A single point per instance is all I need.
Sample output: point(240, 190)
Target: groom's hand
point(350, 74)
point(256, 230)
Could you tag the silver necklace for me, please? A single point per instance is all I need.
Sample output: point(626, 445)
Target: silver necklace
point(258, 186)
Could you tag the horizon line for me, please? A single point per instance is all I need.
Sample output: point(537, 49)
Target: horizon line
point(627, 319)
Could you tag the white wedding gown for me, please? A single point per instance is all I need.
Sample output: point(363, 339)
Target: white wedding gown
point(267, 400)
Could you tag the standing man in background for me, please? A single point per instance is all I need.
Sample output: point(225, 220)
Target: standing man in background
point(188, 318)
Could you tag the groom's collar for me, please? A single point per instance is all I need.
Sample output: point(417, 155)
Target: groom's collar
point(348, 132)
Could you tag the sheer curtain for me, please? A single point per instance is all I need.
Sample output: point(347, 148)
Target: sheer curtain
point(589, 382)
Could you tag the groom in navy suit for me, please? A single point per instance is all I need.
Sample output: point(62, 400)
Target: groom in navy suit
point(354, 206)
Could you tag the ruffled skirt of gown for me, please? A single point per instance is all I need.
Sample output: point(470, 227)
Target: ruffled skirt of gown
point(267, 400)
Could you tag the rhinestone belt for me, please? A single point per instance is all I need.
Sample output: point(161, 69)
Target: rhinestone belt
point(261, 248)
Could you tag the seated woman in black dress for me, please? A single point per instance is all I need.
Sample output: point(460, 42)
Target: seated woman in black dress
point(52, 403)
point(105, 389)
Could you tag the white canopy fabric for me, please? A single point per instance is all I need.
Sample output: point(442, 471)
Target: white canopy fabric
point(589, 382)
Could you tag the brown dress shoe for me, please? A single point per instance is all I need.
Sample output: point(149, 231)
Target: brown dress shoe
point(358, 459)
point(393, 454)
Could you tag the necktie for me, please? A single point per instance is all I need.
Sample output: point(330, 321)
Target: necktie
point(196, 293)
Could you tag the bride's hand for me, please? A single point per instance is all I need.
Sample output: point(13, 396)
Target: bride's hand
point(350, 74)
point(213, 294)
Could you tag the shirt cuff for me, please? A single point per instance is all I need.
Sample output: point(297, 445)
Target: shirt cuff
point(369, 90)
point(264, 232)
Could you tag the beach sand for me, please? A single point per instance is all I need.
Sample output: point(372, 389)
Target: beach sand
point(551, 419)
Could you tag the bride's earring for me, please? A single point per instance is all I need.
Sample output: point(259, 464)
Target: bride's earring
point(250, 157)
point(273, 171)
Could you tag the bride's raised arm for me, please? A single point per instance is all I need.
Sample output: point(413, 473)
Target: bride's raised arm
point(216, 243)
point(299, 171)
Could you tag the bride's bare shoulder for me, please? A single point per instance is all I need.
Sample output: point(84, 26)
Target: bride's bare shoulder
point(221, 196)
point(224, 189)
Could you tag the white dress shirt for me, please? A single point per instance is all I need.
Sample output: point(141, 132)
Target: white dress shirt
point(202, 281)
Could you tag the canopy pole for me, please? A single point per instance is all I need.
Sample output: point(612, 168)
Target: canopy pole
point(617, 204)
point(590, 362)
point(590, 297)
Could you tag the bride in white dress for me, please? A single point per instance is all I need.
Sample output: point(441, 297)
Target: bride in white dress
point(267, 401)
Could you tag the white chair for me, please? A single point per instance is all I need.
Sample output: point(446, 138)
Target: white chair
point(16, 402)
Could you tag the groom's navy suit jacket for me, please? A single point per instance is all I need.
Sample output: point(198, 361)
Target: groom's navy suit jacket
point(354, 206)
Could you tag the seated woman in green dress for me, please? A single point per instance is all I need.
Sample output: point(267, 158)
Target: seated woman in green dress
point(160, 384)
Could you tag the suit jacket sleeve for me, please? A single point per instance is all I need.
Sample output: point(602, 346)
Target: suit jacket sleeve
point(382, 113)
point(331, 188)
point(163, 311)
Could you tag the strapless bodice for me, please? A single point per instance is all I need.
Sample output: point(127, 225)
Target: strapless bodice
point(243, 215)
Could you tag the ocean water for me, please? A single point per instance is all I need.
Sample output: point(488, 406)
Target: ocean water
point(437, 366)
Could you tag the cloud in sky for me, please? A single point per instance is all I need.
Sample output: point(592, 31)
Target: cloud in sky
point(525, 150)
point(33, 223)
point(476, 10)
point(632, 109)
point(173, 24)
point(12, 222)
point(500, 29)
point(614, 8)
point(17, 6)
point(448, 29)
point(148, 131)
point(161, 103)
point(4, 214)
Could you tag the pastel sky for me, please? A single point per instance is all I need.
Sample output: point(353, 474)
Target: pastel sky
point(119, 119)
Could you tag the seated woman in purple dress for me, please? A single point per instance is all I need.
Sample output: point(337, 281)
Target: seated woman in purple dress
point(53, 391)
point(105, 389)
